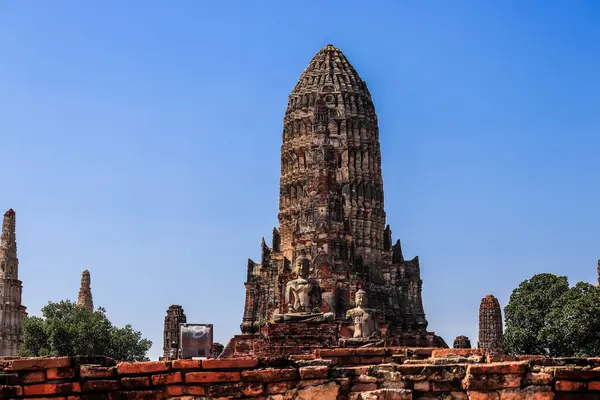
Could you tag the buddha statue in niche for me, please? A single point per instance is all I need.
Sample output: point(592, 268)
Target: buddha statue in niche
point(365, 320)
point(298, 291)
point(302, 297)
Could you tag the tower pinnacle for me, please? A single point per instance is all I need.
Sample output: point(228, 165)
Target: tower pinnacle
point(8, 246)
point(85, 292)
point(12, 311)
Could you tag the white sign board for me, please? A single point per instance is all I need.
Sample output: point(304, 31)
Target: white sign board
point(196, 340)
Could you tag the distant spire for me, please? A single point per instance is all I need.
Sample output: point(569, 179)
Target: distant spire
point(9, 241)
point(85, 292)
point(8, 247)
point(491, 337)
point(598, 272)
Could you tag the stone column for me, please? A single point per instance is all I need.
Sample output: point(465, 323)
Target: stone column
point(84, 299)
point(175, 316)
point(491, 337)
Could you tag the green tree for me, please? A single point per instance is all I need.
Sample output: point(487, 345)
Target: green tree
point(526, 313)
point(572, 327)
point(68, 330)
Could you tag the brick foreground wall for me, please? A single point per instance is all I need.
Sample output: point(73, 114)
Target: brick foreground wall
point(393, 373)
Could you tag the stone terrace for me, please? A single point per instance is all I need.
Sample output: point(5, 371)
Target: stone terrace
point(336, 374)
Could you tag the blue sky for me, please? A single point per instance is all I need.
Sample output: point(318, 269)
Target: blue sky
point(140, 140)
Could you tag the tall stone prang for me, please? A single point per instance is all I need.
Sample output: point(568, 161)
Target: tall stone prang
point(174, 317)
point(84, 299)
point(598, 268)
point(331, 212)
point(461, 342)
point(491, 337)
point(12, 312)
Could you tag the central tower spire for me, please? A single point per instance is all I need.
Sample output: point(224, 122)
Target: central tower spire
point(332, 244)
point(331, 196)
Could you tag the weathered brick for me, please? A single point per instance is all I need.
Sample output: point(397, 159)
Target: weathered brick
point(167, 379)
point(38, 363)
point(96, 371)
point(335, 352)
point(270, 375)
point(570, 386)
point(186, 364)
point(52, 388)
point(363, 387)
point(129, 368)
point(34, 376)
point(538, 378)
point(194, 390)
point(101, 385)
point(60, 373)
point(311, 382)
point(475, 395)
point(530, 393)
point(576, 373)
point(142, 395)
point(240, 363)
point(235, 389)
point(439, 353)
point(369, 352)
point(370, 360)
point(209, 377)
point(316, 372)
point(135, 382)
point(497, 368)
point(500, 358)
point(449, 386)
point(174, 390)
point(279, 387)
point(595, 386)
point(492, 382)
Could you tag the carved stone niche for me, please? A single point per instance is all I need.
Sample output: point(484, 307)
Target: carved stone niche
point(302, 297)
point(366, 323)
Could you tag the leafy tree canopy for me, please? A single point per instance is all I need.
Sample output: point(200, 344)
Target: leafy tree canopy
point(68, 330)
point(526, 312)
point(545, 316)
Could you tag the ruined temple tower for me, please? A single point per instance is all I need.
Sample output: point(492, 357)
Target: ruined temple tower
point(598, 272)
point(11, 310)
point(491, 337)
point(174, 317)
point(84, 299)
point(461, 342)
point(331, 211)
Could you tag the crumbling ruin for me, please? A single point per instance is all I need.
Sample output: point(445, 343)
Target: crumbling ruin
point(333, 240)
point(84, 299)
point(491, 337)
point(12, 312)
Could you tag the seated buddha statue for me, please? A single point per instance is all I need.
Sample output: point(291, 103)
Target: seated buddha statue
point(300, 297)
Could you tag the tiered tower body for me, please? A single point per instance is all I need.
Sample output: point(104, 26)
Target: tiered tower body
point(174, 317)
point(461, 342)
point(331, 210)
point(491, 337)
point(12, 312)
point(84, 299)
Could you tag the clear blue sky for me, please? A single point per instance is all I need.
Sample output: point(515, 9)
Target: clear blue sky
point(140, 140)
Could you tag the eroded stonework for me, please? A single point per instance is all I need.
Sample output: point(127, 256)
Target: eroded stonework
point(461, 342)
point(331, 213)
point(174, 317)
point(12, 312)
point(84, 299)
point(491, 337)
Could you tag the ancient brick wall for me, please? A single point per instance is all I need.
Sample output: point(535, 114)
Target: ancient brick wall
point(336, 374)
